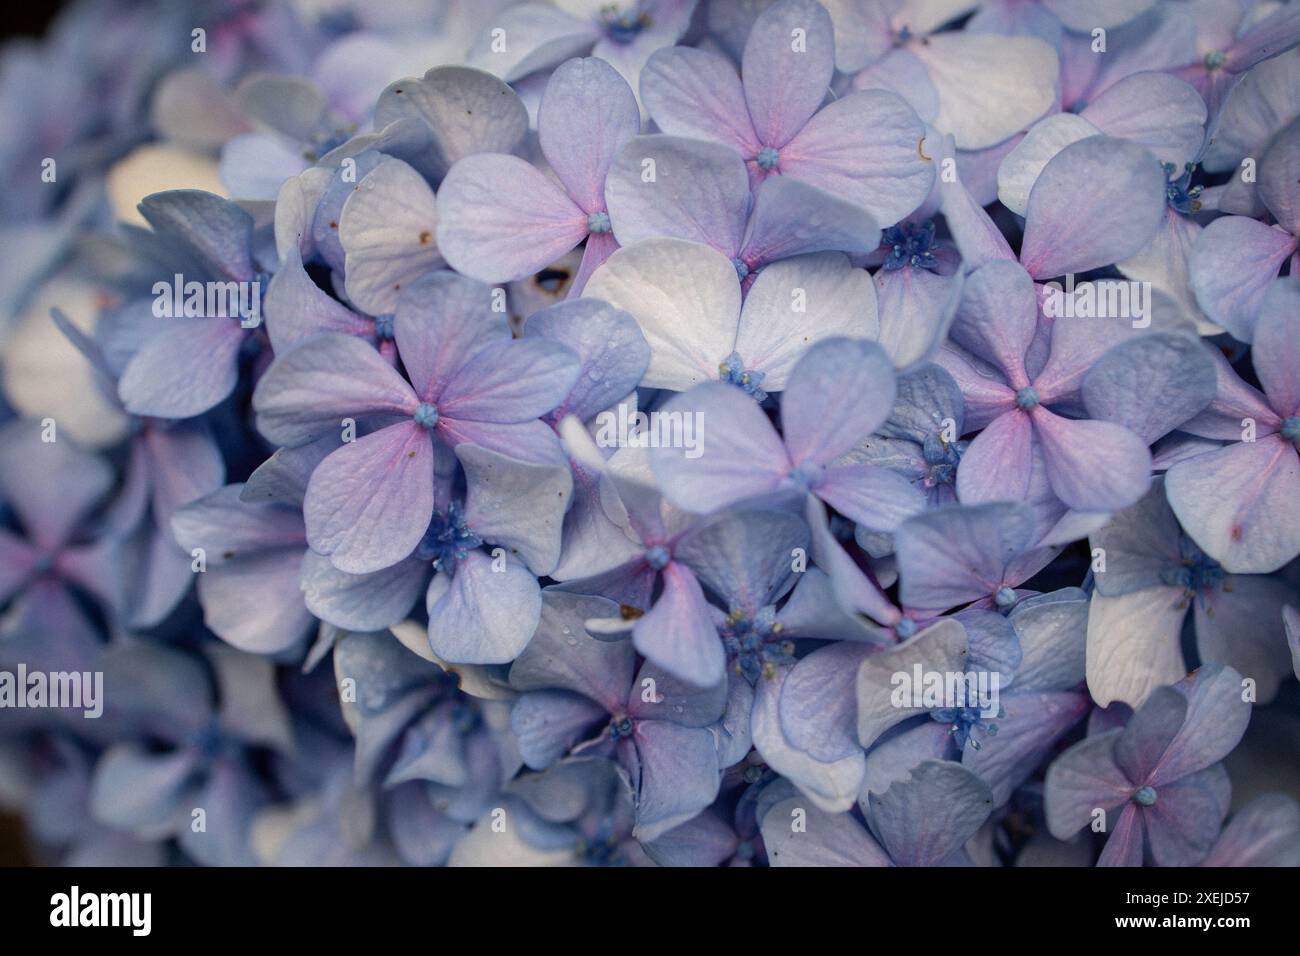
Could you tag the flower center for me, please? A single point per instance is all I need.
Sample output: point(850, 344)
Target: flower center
point(1005, 597)
point(623, 27)
point(384, 327)
point(941, 459)
point(426, 415)
point(1291, 428)
point(1197, 573)
point(620, 727)
point(742, 270)
point(658, 557)
point(1027, 398)
point(808, 475)
point(754, 645)
point(1146, 796)
point(598, 222)
point(732, 371)
point(1215, 59)
point(1182, 197)
point(910, 245)
point(767, 158)
point(448, 540)
point(905, 628)
point(968, 725)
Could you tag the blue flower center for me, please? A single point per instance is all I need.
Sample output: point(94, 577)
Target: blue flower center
point(623, 27)
point(742, 270)
point(1197, 573)
point(1291, 428)
point(905, 628)
point(620, 727)
point(598, 222)
point(1146, 796)
point(1027, 398)
point(1215, 59)
point(657, 557)
point(448, 540)
point(941, 459)
point(426, 415)
point(732, 371)
point(43, 564)
point(910, 245)
point(1005, 597)
point(1181, 196)
point(767, 158)
point(808, 475)
point(753, 644)
point(969, 725)
point(384, 327)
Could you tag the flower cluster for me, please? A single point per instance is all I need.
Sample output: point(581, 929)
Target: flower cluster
point(677, 432)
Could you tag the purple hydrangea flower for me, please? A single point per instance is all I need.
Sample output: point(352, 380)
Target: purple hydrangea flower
point(839, 392)
point(479, 556)
point(470, 383)
point(1091, 465)
point(772, 114)
point(1157, 782)
point(657, 728)
point(500, 218)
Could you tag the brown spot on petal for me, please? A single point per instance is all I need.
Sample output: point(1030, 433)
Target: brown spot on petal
point(426, 237)
point(629, 613)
